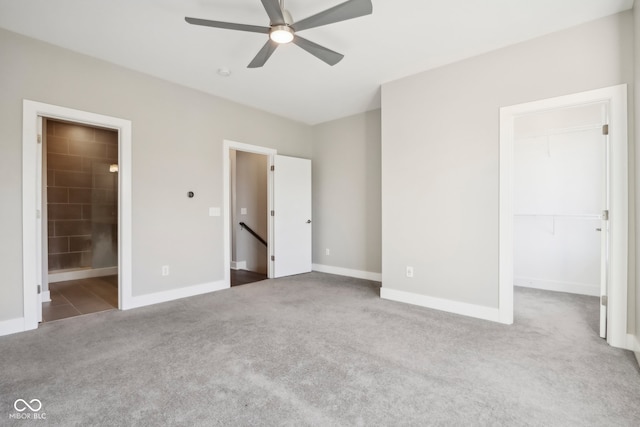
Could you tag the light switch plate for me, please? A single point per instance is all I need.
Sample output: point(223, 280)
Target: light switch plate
point(214, 211)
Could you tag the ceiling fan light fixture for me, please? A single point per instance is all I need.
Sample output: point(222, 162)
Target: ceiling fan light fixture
point(281, 34)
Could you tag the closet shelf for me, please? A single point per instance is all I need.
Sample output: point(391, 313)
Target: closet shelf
point(568, 216)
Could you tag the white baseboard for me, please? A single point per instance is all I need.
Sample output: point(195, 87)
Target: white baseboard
point(358, 274)
point(46, 296)
point(82, 274)
point(456, 307)
point(552, 285)
point(238, 265)
point(11, 326)
point(174, 294)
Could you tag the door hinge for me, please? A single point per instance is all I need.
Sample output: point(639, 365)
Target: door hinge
point(273, 213)
point(273, 257)
point(38, 214)
point(273, 168)
point(604, 300)
point(39, 139)
point(605, 215)
point(605, 129)
point(39, 289)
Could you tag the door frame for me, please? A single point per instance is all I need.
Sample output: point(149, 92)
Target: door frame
point(32, 203)
point(227, 146)
point(616, 97)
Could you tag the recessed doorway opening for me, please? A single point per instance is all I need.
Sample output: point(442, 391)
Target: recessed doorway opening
point(35, 209)
point(80, 219)
point(249, 217)
point(611, 104)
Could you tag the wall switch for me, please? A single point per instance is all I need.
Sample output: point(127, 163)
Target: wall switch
point(243, 211)
point(327, 251)
point(165, 270)
point(409, 271)
point(214, 211)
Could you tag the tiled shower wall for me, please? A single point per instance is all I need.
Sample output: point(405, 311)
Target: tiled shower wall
point(81, 196)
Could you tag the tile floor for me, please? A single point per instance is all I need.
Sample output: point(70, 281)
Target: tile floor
point(77, 297)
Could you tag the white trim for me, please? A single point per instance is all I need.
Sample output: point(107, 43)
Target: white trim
point(31, 110)
point(82, 274)
point(45, 296)
point(633, 343)
point(12, 326)
point(616, 97)
point(456, 307)
point(558, 286)
point(174, 294)
point(358, 274)
point(238, 265)
point(227, 146)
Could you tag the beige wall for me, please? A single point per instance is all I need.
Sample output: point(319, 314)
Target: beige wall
point(177, 147)
point(440, 142)
point(346, 193)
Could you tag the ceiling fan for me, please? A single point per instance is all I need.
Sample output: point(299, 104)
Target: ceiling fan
point(282, 29)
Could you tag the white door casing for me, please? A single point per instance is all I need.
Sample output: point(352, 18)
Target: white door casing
point(292, 220)
point(32, 203)
point(617, 180)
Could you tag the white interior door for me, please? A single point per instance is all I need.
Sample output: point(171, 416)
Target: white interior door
point(292, 216)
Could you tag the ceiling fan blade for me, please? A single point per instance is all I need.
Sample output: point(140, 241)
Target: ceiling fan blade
point(274, 11)
point(320, 52)
point(264, 54)
point(347, 10)
point(228, 25)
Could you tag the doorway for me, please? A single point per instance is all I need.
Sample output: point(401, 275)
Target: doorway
point(614, 229)
point(249, 217)
point(34, 242)
point(560, 200)
point(80, 192)
point(288, 206)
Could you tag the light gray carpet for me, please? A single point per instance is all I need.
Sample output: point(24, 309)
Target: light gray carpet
point(322, 350)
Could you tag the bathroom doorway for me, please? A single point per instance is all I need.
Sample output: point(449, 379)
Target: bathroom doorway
point(80, 215)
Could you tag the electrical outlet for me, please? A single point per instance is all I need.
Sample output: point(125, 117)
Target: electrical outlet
point(327, 251)
point(409, 271)
point(165, 270)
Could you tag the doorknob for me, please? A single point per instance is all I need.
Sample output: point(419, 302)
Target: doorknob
point(598, 229)
point(308, 221)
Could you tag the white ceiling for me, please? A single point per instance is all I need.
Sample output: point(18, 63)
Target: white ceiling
point(400, 38)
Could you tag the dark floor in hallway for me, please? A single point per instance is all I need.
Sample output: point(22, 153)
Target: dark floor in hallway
point(243, 277)
point(76, 297)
